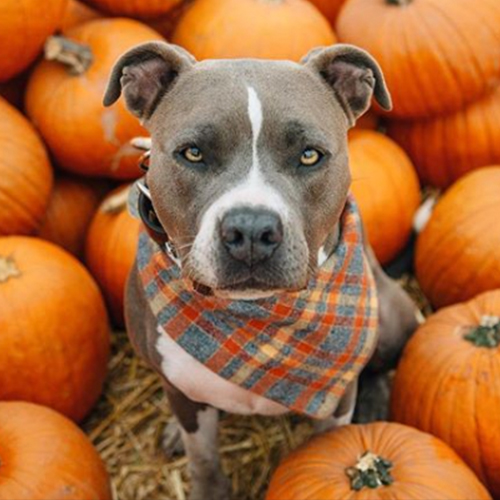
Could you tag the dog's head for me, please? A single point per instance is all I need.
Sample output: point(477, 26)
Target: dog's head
point(249, 167)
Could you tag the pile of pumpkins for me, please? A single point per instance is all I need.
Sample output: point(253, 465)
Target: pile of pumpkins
point(67, 244)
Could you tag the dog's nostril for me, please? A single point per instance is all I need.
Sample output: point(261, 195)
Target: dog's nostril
point(271, 237)
point(233, 236)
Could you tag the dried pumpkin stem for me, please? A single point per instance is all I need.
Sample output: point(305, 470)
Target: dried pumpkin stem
point(371, 472)
point(400, 3)
point(8, 269)
point(76, 56)
point(487, 334)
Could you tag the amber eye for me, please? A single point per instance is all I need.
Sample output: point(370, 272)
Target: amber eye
point(310, 157)
point(193, 154)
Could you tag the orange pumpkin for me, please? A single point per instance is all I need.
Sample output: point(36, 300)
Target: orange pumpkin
point(386, 188)
point(144, 9)
point(270, 29)
point(329, 8)
point(379, 461)
point(447, 147)
point(25, 174)
point(165, 25)
point(71, 208)
point(24, 26)
point(437, 55)
point(110, 250)
point(457, 253)
point(78, 13)
point(54, 344)
point(447, 383)
point(44, 455)
point(65, 103)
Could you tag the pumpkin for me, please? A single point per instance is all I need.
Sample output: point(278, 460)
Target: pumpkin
point(54, 344)
point(25, 174)
point(329, 8)
point(279, 29)
point(165, 25)
point(145, 9)
point(44, 455)
point(78, 13)
point(375, 461)
point(64, 100)
point(111, 248)
point(437, 55)
point(386, 188)
point(447, 383)
point(447, 147)
point(24, 26)
point(457, 253)
point(71, 208)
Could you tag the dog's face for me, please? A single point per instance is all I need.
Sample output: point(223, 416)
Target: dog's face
point(249, 167)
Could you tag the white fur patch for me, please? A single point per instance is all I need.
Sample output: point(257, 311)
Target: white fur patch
point(322, 256)
point(202, 385)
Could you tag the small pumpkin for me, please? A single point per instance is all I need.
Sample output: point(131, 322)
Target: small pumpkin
point(24, 26)
point(386, 188)
point(143, 9)
point(72, 205)
point(375, 461)
point(457, 253)
point(64, 99)
point(44, 455)
point(279, 29)
point(437, 55)
point(447, 383)
point(329, 8)
point(54, 345)
point(25, 174)
point(78, 13)
point(447, 147)
point(110, 249)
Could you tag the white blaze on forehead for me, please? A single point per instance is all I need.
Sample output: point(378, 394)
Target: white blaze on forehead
point(255, 114)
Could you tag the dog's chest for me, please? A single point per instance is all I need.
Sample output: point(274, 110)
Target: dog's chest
point(202, 385)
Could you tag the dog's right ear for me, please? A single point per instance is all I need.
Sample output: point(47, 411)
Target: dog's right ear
point(144, 74)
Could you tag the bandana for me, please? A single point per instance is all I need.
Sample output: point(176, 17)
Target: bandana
point(298, 349)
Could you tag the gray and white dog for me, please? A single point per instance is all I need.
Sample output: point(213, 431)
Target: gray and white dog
point(259, 144)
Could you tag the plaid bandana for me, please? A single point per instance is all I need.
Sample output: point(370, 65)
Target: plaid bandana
point(299, 349)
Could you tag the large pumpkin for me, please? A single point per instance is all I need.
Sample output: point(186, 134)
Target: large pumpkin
point(24, 26)
point(437, 55)
point(270, 29)
point(110, 250)
point(71, 208)
point(329, 8)
point(145, 9)
point(65, 102)
point(457, 254)
point(447, 147)
point(46, 456)
point(78, 13)
point(379, 461)
point(386, 188)
point(54, 341)
point(448, 383)
point(25, 174)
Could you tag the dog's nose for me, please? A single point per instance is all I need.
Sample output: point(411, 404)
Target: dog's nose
point(251, 235)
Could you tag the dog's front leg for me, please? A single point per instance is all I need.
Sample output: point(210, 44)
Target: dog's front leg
point(199, 430)
point(343, 414)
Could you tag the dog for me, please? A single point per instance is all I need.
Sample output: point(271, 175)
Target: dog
point(246, 204)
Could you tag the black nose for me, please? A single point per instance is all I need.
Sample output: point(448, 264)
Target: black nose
point(251, 235)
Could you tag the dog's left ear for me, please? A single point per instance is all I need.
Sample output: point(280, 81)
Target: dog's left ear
point(354, 76)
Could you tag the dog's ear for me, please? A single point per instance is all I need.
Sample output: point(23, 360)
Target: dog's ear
point(354, 76)
point(144, 74)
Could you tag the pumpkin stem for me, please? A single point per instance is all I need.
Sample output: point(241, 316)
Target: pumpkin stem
point(76, 56)
point(399, 3)
point(371, 471)
point(8, 269)
point(487, 334)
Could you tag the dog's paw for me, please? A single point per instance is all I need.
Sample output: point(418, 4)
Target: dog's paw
point(172, 439)
point(218, 488)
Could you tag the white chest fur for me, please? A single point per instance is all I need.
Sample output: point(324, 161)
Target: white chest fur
point(202, 385)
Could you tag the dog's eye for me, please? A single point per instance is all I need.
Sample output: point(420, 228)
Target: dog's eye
point(193, 154)
point(310, 157)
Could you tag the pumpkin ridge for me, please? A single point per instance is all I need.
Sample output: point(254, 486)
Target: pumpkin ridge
point(8, 270)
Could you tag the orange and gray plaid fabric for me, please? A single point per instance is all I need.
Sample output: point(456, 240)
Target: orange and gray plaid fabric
point(300, 349)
